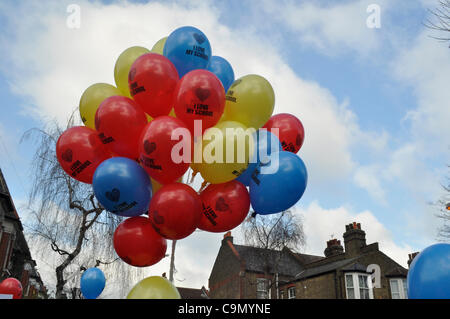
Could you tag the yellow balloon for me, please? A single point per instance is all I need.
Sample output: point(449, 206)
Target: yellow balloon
point(250, 100)
point(91, 99)
point(123, 66)
point(154, 287)
point(159, 46)
point(224, 153)
point(157, 186)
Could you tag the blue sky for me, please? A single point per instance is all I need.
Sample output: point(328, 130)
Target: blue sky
point(374, 102)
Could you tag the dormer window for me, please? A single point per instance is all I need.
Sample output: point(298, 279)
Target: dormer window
point(358, 286)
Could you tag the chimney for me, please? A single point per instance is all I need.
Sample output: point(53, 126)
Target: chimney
point(334, 247)
point(411, 258)
point(227, 237)
point(354, 239)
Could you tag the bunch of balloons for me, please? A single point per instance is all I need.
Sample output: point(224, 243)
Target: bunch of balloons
point(172, 105)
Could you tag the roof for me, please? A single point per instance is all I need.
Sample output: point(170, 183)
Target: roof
point(321, 269)
point(397, 272)
point(191, 293)
point(306, 259)
point(6, 196)
point(262, 260)
point(355, 267)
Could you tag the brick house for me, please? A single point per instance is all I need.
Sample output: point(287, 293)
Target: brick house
point(15, 256)
point(355, 270)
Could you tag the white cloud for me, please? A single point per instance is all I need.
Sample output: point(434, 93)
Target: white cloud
point(321, 224)
point(424, 66)
point(332, 28)
point(366, 177)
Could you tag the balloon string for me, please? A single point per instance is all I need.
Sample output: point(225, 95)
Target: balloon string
point(194, 173)
point(204, 185)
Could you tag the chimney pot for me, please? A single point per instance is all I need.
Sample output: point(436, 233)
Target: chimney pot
point(411, 258)
point(334, 247)
point(354, 239)
point(227, 237)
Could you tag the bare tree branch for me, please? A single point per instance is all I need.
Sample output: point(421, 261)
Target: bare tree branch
point(67, 219)
point(440, 21)
point(273, 233)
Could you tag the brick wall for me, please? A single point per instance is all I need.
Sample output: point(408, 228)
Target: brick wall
point(386, 264)
point(225, 280)
point(4, 245)
point(319, 287)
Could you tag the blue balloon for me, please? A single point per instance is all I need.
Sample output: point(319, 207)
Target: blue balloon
point(266, 144)
point(429, 273)
point(122, 186)
point(223, 70)
point(92, 283)
point(188, 49)
point(278, 185)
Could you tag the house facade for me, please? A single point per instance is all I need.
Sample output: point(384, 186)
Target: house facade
point(15, 256)
point(354, 270)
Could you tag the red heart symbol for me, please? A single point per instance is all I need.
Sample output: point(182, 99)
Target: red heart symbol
point(114, 195)
point(131, 75)
point(200, 38)
point(202, 94)
point(298, 140)
point(67, 155)
point(149, 147)
point(221, 205)
point(236, 83)
point(97, 122)
point(158, 219)
point(11, 286)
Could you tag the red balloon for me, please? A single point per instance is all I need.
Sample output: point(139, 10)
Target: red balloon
point(152, 81)
point(119, 122)
point(11, 286)
point(199, 96)
point(137, 243)
point(291, 131)
point(175, 211)
point(79, 151)
point(225, 206)
point(155, 149)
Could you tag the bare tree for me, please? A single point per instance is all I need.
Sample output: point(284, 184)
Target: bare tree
point(443, 205)
point(68, 224)
point(440, 21)
point(274, 233)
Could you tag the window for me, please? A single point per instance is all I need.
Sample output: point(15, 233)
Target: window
point(363, 287)
point(398, 288)
point(349, 285)
point(291, 293)
point(358, 286)
point(261, 288)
